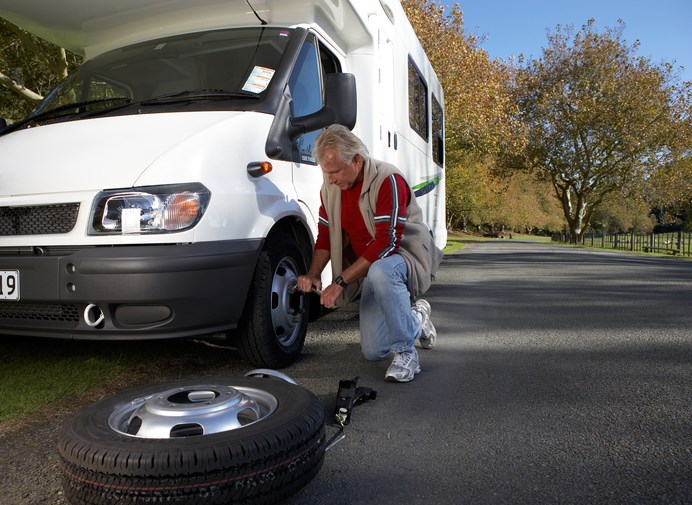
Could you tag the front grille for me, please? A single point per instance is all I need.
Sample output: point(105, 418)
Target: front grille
point(38, 220)
point(39, 312)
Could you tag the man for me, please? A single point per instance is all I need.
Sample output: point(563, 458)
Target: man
point(371, 229)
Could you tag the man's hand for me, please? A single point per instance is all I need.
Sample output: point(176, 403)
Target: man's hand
point(331, 295)
point(307, 282)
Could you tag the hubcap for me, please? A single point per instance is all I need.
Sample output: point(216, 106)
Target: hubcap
point(192, 410)
point(287, 308)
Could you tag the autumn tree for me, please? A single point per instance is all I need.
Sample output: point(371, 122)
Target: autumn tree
point(600, 118)
point(480, 117)
point(478, 107)
point(527, 204)
point(623, 211)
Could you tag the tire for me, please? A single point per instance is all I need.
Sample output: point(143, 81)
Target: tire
point(274, 323)
point(262, 462)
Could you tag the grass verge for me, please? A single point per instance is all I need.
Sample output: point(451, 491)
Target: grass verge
point(456, 241)
point(39, 374)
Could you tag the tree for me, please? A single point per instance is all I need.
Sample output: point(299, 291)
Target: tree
point(600, 119)
point(622, 212)
point(480, 114)
point(527, 204)
point(669, 192)
point(29, 68)
point(479, 110)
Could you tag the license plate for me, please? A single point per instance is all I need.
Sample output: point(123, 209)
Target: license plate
point(9, 284)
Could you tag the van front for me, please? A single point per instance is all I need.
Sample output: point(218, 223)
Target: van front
point(133, 201)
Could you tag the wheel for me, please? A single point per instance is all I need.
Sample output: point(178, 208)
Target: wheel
point(222, 441)
point(274, 323)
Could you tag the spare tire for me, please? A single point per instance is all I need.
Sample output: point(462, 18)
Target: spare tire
point(232, 441)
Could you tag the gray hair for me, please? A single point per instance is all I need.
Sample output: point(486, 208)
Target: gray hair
point(340, 138)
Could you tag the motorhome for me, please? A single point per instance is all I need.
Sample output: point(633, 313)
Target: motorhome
point(167, 187)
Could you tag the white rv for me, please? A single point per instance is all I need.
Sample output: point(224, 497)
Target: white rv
point(167, 187)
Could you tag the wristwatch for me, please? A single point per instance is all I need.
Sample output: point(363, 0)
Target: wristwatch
point(341, 282)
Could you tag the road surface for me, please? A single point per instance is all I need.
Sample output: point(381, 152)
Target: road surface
point(560, 375)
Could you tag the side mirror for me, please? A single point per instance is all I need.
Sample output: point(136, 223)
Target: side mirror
point(340, 107)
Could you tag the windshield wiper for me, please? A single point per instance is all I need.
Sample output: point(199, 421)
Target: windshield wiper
point(65, 110)
point(198, 95)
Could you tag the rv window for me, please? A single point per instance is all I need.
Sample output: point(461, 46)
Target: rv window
point(417, 101)
point(438, 145)
point(306, 93)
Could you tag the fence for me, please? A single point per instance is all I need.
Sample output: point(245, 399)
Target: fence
point(677, 242)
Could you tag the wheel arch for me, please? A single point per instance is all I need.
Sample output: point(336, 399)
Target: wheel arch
point(298, 229)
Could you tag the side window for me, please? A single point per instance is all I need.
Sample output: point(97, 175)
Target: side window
point(417, 101)
point(438, 132)
point(306, 93)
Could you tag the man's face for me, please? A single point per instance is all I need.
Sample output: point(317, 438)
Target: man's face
point(343, 175)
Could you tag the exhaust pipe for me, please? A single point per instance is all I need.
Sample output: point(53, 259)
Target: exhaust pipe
point(93, 315)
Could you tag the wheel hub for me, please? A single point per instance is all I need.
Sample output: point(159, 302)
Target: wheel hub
point(192, 410)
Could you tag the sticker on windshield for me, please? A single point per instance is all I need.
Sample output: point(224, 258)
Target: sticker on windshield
point(258, 80)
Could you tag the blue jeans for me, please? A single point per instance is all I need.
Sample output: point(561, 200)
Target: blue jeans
point(387, 324)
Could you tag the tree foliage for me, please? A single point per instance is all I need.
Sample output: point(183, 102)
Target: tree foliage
point(600, 119)
point(29, 68)
point(481, 118)
point(479, 110)
point(622, 211)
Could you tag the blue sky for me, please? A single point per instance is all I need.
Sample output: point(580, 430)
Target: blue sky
point(513, 27)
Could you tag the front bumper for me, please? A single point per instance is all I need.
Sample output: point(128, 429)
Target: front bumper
point(148, 291)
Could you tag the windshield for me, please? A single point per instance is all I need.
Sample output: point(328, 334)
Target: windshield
point(185, 71)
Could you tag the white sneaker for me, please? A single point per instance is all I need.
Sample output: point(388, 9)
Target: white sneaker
point(428, 333)
point(404, 367)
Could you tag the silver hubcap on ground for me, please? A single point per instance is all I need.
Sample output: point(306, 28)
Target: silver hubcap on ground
point(192, 410)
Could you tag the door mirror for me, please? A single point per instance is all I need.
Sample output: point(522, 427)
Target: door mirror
point(340, 107)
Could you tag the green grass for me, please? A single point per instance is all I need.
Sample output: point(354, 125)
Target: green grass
point(52, 374)
point(39, 372)
point(456, 241)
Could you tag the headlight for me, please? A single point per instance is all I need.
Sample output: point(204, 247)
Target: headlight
point(152, 209)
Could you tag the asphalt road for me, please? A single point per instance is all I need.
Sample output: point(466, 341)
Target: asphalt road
point(560, 376)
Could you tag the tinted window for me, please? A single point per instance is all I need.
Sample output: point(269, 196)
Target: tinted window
point(438, 132)
point(417, 101)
